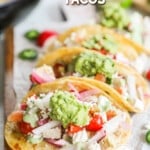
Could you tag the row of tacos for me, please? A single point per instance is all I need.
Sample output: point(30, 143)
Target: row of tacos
point(81, 95)
point(105, 41)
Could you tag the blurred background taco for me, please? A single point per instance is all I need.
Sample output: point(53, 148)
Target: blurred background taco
point(129, 85)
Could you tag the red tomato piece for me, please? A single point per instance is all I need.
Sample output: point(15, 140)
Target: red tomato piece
point(74, 128)
point(110, 114)
point(148, 75)
point(95, 124)
point(100, 77)
point(44, 36)
point(103, 51)
point(119, 90)
point(25, 127)
point(23, 106)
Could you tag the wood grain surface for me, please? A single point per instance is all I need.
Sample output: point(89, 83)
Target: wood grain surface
point(143, 5)
point(9, 94)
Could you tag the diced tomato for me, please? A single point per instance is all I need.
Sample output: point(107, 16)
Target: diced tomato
point(79, 87)
point(114, 57)
point(16, 116)
point(83, 90)
point(74, 128)
point(148, 75)
point(110, 114)
point(44, 36)
point(23, 106)
point(119, 90)
point(100, 77)
point(25, 127)
point(95, 124)
point(59, 70)
point(103, 51)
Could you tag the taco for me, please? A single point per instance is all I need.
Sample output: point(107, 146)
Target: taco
point(105, 41)
point(67, 114)
point(122, 79)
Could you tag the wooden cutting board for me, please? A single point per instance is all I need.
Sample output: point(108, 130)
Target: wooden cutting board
point(143, 5)
point(9, 94)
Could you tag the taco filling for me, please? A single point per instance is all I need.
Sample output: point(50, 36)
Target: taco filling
point(96, 66)
point(70, 119)
point(103, 43)
point(114, 47)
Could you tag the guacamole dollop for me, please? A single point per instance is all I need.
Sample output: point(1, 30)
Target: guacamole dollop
point(103, 41)
point(66, 109)
point(89, 64)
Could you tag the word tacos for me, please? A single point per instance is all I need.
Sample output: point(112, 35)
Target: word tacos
point(67, 114)
point(105, 41)
point(123, 80)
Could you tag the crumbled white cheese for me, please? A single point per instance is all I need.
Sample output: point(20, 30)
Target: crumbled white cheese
point(104, 116)
point(52, 41)
point(121, 58)
point(142, 63)
point(79, 35)
point(118, 82)
point(136, 18)
point(139, 104)
point(93, 146)
point(112, 125)
point(43, 102)
point(68, 42)
point(77, 74)
point(136, 27)
point(75, 38)
point(32, 111)
point(140, 93)
point(104, 104)
point(54, 133)
point(134, 96)
point(39, 103)
point(31, 100)
point(103, 100)
point(131, 82)
point(42, 95)
point(80, 136)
